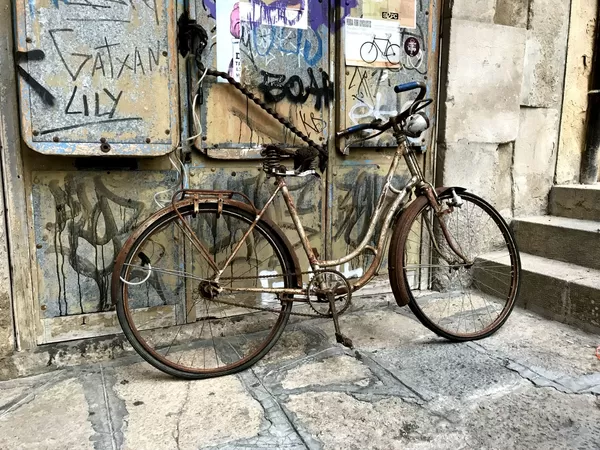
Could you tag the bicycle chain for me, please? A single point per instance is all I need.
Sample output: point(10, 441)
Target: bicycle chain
point(290, 126)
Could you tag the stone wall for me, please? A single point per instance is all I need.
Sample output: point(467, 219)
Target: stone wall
point(501, 100)
point(579, 67)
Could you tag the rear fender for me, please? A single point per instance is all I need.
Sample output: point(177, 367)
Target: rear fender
point(190, 201)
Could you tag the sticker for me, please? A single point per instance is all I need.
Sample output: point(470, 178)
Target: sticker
point(412, 46)
point(402, 11)
point(372, 43)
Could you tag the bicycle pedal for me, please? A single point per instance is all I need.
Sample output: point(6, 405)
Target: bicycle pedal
point(345, 341)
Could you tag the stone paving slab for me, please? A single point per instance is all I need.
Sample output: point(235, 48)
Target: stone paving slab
point(533, 385)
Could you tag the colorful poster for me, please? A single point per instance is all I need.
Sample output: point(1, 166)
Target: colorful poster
point(372, 43)
point(402, 11)
point(278, 13)
point(228, 37)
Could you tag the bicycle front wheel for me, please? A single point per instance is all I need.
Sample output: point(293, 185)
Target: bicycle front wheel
point(172, 312)
point(393, 54)
point(462, 281)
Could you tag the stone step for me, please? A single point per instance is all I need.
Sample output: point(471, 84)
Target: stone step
point(557, 290)
point(561, 238)
point(576, 201)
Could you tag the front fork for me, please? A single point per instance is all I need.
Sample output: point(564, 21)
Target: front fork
point(456, 202)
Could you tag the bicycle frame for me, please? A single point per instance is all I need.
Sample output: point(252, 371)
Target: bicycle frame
point(383, 207)
point(386, 40)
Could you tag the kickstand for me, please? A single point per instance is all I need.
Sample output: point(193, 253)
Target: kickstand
point(339, 337)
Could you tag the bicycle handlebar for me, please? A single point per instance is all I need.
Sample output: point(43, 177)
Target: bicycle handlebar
point(377, 124)
point(359, 127)
point(410, 86)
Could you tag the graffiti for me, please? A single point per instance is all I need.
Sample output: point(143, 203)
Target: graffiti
point(358, 192)
point(106, 59)
point(264, 44)
point(370, 103)
point(276, 87)
point(86, 236)
point(357, 206)
point(306, 194)
point(365, 109)
point(34, 55)
point(312, 123)
point(96, 68)
point(319, 14)
point(86, 110)
point(282, 13)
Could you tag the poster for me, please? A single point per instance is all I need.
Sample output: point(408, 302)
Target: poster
point(228, 37)
point(402, 11)
point(372, 43)
point(230, 14)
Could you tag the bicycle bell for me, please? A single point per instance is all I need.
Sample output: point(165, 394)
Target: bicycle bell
point(416, 124)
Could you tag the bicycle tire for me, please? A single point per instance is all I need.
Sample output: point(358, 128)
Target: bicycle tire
point(138, 338)
point(437, 289)
point(369, 53)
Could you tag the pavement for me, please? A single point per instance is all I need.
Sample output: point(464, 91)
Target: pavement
point(533, 385)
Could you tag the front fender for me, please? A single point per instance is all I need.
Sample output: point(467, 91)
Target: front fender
point(439, 191)
point(399, 290)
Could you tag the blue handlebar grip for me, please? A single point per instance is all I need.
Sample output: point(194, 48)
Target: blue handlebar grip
point(356, 128)
point(353, 129)
point(407, 86)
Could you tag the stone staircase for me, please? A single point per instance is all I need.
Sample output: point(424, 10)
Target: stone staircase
point(560, 256)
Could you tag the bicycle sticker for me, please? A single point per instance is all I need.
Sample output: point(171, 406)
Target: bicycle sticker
point(372, 43)
point(412, 46)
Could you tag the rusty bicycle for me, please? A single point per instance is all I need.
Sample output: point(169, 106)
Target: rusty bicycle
point(206, 286)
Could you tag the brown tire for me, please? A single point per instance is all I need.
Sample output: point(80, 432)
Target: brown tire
point(458, 299)
point(169, 313)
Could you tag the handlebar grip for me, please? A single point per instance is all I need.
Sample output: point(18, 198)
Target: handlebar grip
point(410, 86)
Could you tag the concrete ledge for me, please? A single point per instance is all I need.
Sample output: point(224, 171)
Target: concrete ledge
point(576, 201)
point(560, 238)
point(556, 290)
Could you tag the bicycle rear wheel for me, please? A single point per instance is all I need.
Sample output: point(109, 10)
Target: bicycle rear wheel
point(172, 314)
point(457, 299)
point(369, 52)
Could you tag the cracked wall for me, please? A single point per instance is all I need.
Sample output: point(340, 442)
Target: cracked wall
point(501, 100)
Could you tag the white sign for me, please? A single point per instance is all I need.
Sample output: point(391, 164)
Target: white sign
point(372, 43)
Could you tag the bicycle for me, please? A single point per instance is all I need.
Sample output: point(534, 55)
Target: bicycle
point(206, 286)
point(370, 50)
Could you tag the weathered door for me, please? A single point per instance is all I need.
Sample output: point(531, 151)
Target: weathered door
point(102, 80)
point(98, 81)
point(375, 55)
